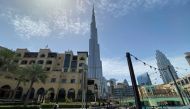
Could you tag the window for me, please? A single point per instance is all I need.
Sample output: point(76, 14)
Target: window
point(48, 68)
point(40, 62)
point(148, 90)
point(80, 70)
point(58, 64)
point(73, 70)
point(189, 78)
point(182, 82)
point(186, 81)
point(67, 60)
point(82, 58)
point(48, 62)
point(63, 80)
point(42, 55)
point(59, 57)
point(72, 80)
point(24, 62)
point(74, 64)
point(80, 64)
point(32, 62)
point(53, 80)
point(65, 70)
point(52, 55)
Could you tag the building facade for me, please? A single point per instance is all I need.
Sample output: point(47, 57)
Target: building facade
point(122, 90)
point(164, 64)
point(144, 79)
point(184, 85)
point(64, 75)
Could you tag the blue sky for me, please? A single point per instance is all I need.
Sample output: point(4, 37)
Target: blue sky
point(138, 26)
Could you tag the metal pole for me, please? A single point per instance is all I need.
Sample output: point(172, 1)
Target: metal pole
point(86, 82)
point(180, 94)
point(133, 80)
point(83, 89)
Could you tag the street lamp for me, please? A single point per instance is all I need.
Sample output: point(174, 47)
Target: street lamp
point(84, 86)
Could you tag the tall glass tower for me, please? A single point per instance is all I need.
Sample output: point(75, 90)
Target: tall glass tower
point(94, 62)
point(144, 79)
point(163, 63)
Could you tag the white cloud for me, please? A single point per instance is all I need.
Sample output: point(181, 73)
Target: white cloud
point(65, 23)
point(65, 17)
point(122, 7)
point(58, 20)
point(118, 68)
point(27, 27)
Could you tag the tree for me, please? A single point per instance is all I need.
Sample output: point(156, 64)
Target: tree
point(20, 76)
point(35, 73)
point(7, 58)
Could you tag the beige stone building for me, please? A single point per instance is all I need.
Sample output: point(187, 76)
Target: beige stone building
point(64, 75)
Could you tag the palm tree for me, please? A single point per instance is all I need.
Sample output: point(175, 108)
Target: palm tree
point(20, 77)
point(35, 73)
point(7, 58)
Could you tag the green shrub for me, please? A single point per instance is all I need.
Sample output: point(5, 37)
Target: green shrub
point(17, 103)
point(18, 107)
point(60, 106)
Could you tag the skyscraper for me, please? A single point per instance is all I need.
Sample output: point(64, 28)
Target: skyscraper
point(163, 63)
point(125, 82)
point(144, 79)
point(94, 62)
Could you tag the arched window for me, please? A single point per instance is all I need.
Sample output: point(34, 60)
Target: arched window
point(32, 62)
point(48, 62)
point(71, 94)
point(5, 91)
point(42, 55)
point(51, 94)
point(40, 62)
point(40, 94)
point(62, 94)
point(24, 62)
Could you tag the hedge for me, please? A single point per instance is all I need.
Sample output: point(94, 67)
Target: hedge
point(17, 103)
point(18, 107)
point(60, 106)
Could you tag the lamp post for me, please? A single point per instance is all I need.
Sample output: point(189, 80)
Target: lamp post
point(178, 90)
point(84, 86)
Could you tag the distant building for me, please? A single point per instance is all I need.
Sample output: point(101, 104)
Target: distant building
point(112, 84)
point(185, 83)
point(144, 79)
point(163, 63)
point(129, 91)
point(187, 57)
point(125, 82)
point(104, 88)
point(119, 90)
point(123, 90)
